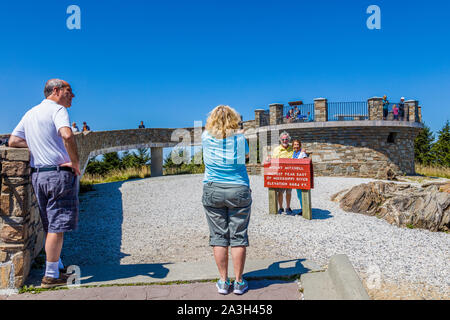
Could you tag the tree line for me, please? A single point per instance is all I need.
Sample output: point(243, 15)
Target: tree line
point(430, 151)
point(113, 161)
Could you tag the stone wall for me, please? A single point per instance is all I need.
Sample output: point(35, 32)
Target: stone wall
point(350, 148)
point(21, 231)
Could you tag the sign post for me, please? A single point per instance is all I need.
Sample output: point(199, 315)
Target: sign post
point(289, 174)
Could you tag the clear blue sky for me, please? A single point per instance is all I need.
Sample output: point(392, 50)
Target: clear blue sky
point(170, 62)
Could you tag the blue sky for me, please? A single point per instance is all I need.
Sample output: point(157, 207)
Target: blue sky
point(169, 63)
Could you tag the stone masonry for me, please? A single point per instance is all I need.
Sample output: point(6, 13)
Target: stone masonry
point(21, 231)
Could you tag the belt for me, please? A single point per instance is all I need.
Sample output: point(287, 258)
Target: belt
point(51, 169)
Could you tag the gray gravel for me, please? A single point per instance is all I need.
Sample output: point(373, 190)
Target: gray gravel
point(162, 220)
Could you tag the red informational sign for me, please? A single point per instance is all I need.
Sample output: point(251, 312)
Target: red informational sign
point(289, 173)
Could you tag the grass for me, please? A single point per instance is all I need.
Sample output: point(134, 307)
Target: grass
point(433, 171)
point(114, 175)
point(88, 180)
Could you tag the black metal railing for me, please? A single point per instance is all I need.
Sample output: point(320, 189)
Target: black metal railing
point(300, 113)
point(344, 111)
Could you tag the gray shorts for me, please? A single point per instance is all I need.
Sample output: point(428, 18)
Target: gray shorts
point(57, 196)
point(227, 208)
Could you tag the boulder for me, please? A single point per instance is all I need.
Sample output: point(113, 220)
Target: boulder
point(445, 188)
point(399, 204)
point(386, 174)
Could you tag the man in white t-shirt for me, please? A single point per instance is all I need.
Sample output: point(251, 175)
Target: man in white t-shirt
point(45, 130)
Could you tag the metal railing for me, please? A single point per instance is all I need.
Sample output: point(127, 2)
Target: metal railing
point(301, 113)
point(344, 111)
point(401, 114)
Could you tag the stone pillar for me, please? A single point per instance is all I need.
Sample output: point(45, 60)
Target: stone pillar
point(21, 232)
point(276, 113)
point(412, 110)
point(156, 167)
point(419, 111)
point(320, 110)
point(375, 106)
point(260, 120)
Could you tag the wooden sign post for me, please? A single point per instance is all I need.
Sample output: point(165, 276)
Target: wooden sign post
point(289, 174)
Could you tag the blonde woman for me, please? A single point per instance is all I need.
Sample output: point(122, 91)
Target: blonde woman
point(226, 194)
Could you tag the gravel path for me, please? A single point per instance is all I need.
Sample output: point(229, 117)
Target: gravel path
point(162, 220)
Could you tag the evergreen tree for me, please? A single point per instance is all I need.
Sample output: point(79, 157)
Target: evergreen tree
point(112, 161)
point(440, 151)
point(142, 158)
point(422, 146)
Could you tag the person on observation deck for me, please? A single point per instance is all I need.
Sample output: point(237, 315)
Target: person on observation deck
point(284, 150)
point(45, 130)
point(395, 112)
point(227, 197)
point(401, 109)
point(385, 107)
point(75, 128)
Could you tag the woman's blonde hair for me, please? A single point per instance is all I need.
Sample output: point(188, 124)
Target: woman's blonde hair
point(223, 121)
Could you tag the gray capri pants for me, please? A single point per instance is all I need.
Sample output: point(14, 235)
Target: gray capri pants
point(227, 207)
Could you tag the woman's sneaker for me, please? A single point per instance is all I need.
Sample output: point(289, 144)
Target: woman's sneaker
point(240, 287)
point(223, 287)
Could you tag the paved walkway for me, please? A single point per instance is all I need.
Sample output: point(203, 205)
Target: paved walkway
point(145, 282)
point(258, 290)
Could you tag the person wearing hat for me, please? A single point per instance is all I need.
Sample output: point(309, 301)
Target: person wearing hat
point(385, 107)
point(401, 109)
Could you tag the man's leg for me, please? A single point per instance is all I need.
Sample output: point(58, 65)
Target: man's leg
point(221, 257)
point(238, 255)
point(53, 247)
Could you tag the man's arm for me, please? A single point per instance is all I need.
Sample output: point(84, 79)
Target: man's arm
point(17, 142)
point(71, 147)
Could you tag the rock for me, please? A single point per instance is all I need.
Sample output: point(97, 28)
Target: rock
point(445, 188)
point(386, 174)
point(399, 204)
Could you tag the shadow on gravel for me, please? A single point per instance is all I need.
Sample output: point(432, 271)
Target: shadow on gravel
point(319, 214)
point(98, 239)
point(96, 245)
point(281, 269)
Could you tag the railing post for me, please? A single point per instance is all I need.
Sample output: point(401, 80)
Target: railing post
point(412, 112)
point(276, 113)
point(259, 118)
point(375, 106)
point(320, 109)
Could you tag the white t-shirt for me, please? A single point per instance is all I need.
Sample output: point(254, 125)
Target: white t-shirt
point(40, 128)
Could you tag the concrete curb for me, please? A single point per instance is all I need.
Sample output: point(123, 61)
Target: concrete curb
point(339, 282)
point(345, 279)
